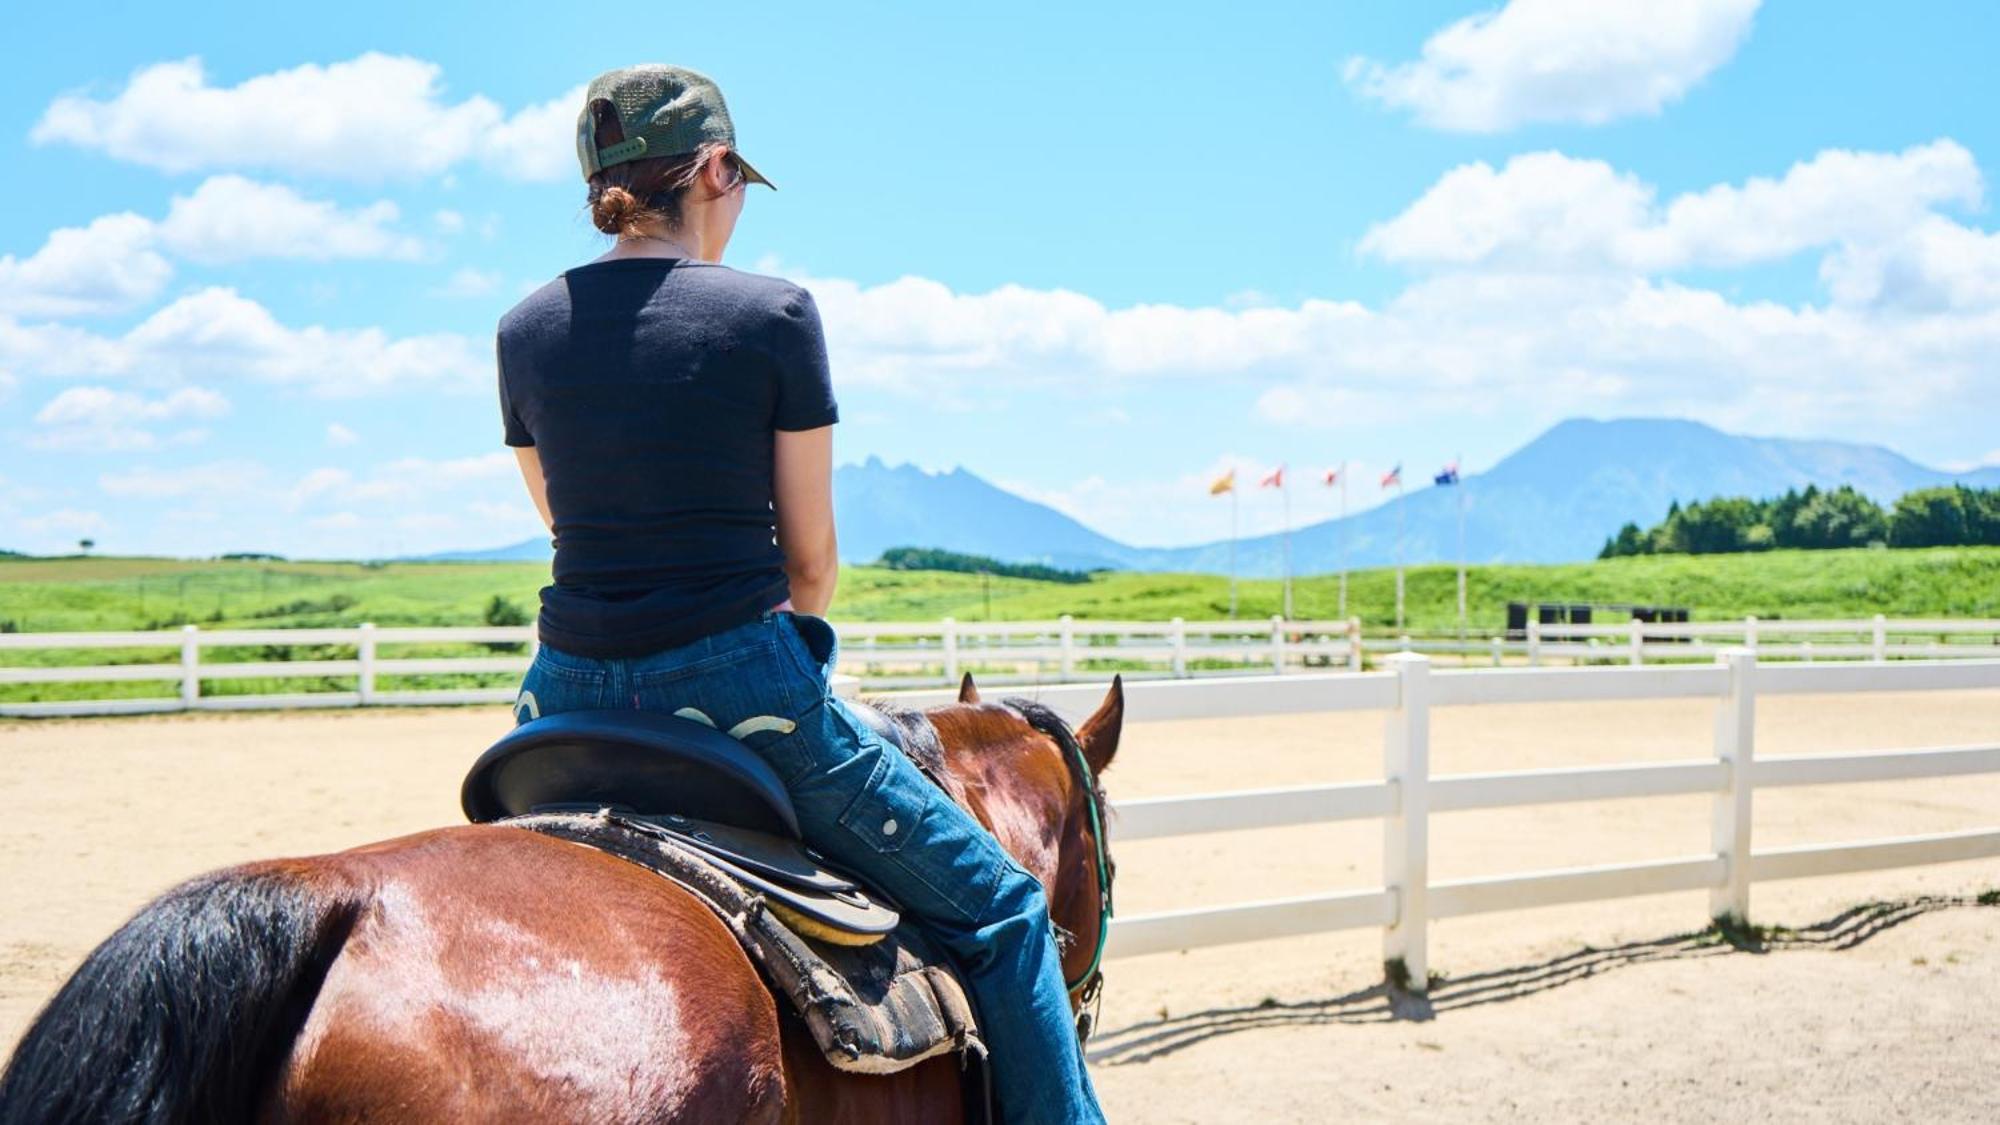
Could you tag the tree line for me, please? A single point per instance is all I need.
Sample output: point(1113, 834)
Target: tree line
point(1947, 516)
point(930, 558)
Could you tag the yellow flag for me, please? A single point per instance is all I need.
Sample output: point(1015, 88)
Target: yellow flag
point(1224, 483)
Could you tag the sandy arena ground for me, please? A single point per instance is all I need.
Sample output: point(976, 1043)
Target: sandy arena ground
point(1594, 1012)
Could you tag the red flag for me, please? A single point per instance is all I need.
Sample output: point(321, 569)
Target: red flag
point(1332, 476)
point(1275, 480)
point(1393, 476)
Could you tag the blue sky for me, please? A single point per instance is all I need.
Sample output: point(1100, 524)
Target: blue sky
point(251, 260)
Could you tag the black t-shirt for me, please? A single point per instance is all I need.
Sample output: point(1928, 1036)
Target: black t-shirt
point(650, 387)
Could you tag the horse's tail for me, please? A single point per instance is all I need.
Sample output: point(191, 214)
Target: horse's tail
point(185, 1012)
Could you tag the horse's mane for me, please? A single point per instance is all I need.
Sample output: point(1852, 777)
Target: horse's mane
point(920, 739)
point(921, 742)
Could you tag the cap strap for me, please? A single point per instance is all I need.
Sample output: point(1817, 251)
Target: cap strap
point(612, 154)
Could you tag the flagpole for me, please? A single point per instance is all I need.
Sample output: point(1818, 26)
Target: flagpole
point(1285, 495)
point(1459, 472)
point(1342, 540)
point(1232, 551)
point(1399, 552)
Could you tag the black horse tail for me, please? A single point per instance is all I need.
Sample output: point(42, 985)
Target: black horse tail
point(186, 1012)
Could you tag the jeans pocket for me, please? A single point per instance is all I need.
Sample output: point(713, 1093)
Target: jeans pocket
point(812, 645)
point(741, 692)
point(888, 811)
point(558, 682)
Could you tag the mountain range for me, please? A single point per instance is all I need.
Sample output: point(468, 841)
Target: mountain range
point(1556, 499)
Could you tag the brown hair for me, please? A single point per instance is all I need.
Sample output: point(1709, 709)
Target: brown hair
point(634, 193)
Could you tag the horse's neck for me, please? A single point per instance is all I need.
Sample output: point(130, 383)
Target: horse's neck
point(1028, 819)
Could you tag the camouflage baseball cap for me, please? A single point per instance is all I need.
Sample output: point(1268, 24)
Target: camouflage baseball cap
point(665, 111)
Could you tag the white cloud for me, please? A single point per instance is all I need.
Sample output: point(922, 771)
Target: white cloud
point(230, 219)
point(338, 435)
point(537, 143)
point(458, 470)
point(220, 478)
point(216, 333)
point(115, 263)
point(1577, 61)
point(1534, 347)
point(469, 282)
point(1935, 265)
point(370, 118)
point(65, 524)
point(104, 420)
point(1546, 210)
point(108, 266)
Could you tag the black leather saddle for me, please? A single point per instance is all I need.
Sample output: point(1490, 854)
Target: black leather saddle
point(682, 781)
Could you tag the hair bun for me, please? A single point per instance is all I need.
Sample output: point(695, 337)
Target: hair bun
point(613, 209)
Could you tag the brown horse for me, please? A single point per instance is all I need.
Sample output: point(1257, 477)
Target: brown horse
point(481, 972)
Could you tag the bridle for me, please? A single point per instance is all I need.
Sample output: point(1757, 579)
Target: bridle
point(1087, 987)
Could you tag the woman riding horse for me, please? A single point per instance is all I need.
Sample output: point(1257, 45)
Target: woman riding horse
point(673, 419)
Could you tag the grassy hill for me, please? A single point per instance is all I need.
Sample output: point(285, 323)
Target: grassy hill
point(60, 595)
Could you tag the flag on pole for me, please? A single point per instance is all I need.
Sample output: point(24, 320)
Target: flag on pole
point(1393, 476)
point(1224, 483)
point(1275, 480)
point(1448, 474)
point(1332, 477)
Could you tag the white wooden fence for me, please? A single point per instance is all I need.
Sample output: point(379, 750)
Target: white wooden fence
point(1408, 793)
point(902, 654)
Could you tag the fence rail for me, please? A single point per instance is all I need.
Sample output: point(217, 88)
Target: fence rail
point(1409, 794)
point(892, 655)
point(1403, 799)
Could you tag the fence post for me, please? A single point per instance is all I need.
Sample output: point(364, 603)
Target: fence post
point(950, 635)
point(1638, 642)
point(1406, 832)
point(1068, 647)
point(1496, 652)
point(1881, 640)
point(364, 651)
point(1277, 643)
point(190, 664)
point(1179, 634)
point(1750, 632)
point(1354, 644)
point(1736, 745)
point(1535, 643)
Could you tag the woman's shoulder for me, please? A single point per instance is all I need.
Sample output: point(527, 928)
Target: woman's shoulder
point(764, 290)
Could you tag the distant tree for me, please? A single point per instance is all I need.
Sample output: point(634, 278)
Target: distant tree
point(1831, 520)
point(932, 558)
point(503, 610)
point(1946, 516)
point(1718, 525)
point(86, 544)
point(1629, 541)
point(1930, 517)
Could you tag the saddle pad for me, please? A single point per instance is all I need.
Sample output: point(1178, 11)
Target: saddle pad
point(873, 1009)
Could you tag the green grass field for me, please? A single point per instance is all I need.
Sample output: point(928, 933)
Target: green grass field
point(69, 594)
point(97, 594)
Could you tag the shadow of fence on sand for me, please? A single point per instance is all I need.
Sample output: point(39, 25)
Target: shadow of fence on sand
point(1384, 1003)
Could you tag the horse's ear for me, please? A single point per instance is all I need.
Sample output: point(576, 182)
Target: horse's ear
point(966, 692)
point(1099, 734)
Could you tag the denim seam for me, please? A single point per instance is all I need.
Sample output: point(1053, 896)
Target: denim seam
point(742, 654)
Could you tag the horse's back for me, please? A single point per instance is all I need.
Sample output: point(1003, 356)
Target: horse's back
point(502, 974)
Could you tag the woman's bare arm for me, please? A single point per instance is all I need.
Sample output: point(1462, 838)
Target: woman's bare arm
point(802, 495)
point(538, 488)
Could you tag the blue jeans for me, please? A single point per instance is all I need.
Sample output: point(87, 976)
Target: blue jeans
point(864, 806)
